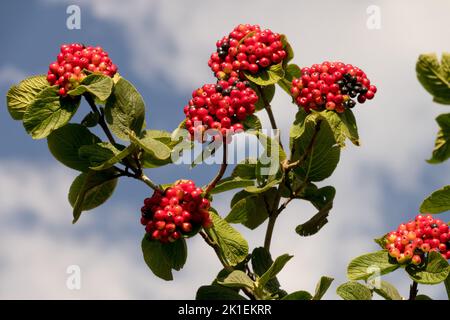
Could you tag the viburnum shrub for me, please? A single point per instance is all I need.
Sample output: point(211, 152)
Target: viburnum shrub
point(420, 246)
point(249, 64)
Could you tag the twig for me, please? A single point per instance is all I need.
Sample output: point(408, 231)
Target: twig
point(413, 291)
point(274, 212)
point(222, 169)
point(149, 182)
point(139, 176)
point(268, 108)
point(101, 117)
point(225, 264)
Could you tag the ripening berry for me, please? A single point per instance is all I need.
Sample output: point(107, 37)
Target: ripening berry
point(225, 105)
point(412, 241)
point(416, 260)
point(331, 86)
point(246, 49)
point(170, 215)
point(394, 252)
point(69, 69)
point(401, 258)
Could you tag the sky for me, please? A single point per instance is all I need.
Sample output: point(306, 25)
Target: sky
point(163, 47)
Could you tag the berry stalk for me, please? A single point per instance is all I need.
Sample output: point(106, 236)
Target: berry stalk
point(101, 117)
point(222, 169)
point(413, 291)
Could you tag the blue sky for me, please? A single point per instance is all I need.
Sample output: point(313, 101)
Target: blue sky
point(162, 47)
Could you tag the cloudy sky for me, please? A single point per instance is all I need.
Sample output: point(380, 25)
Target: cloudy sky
point(163, 48)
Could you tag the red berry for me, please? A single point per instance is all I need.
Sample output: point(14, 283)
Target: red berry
point(177, 215)
point(186, 227)
point(67, 71)
point(339, 87)
point(160, 225)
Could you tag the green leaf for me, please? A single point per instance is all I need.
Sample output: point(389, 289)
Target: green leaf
point(48, 112)
point(98, 155)
point(287, 47)
point(441, 151)
point(233, 246)
point(322, 287)
point(98, 85)
point(388, 291)
point(298, 127)
point(319, 197)
point(433, 78)
point(353, 290)
point(90, 120)
point(381, 241)
point(64, 144)
point(274, 269)
point(251, 211)
point(160, 135)
point(252, 122)
point(268, 166)
point(435, 271)
point(270, 143)
point(231, 183)
point(316, 150)
point(148, 159)
point(265, 187)
point(298, 295)
point(155, 258)
point(91, 189)
point(437, 202)
point(313, 225)
point(21, 96)
point(162, 258)
point(238, 279)
point(175, 253)
point(423, 297)
point(245, 169)
point(363, 267)
point(343, 126)
point(265, 95)
point(261, 262)
point(290, 72)
point(153, 147)
point(216, 292)
point(445, 65)
point(268, 76)
point(125, 110)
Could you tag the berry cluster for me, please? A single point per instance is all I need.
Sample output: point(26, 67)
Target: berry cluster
point(412, 240)
point(331, 86)
point(68, 70)
point(179, 211)
point(221, 106)
point(246, 48)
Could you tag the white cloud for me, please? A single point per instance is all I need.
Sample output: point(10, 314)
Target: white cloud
point(171, 41)
point(38, 243)
point(10, 74)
